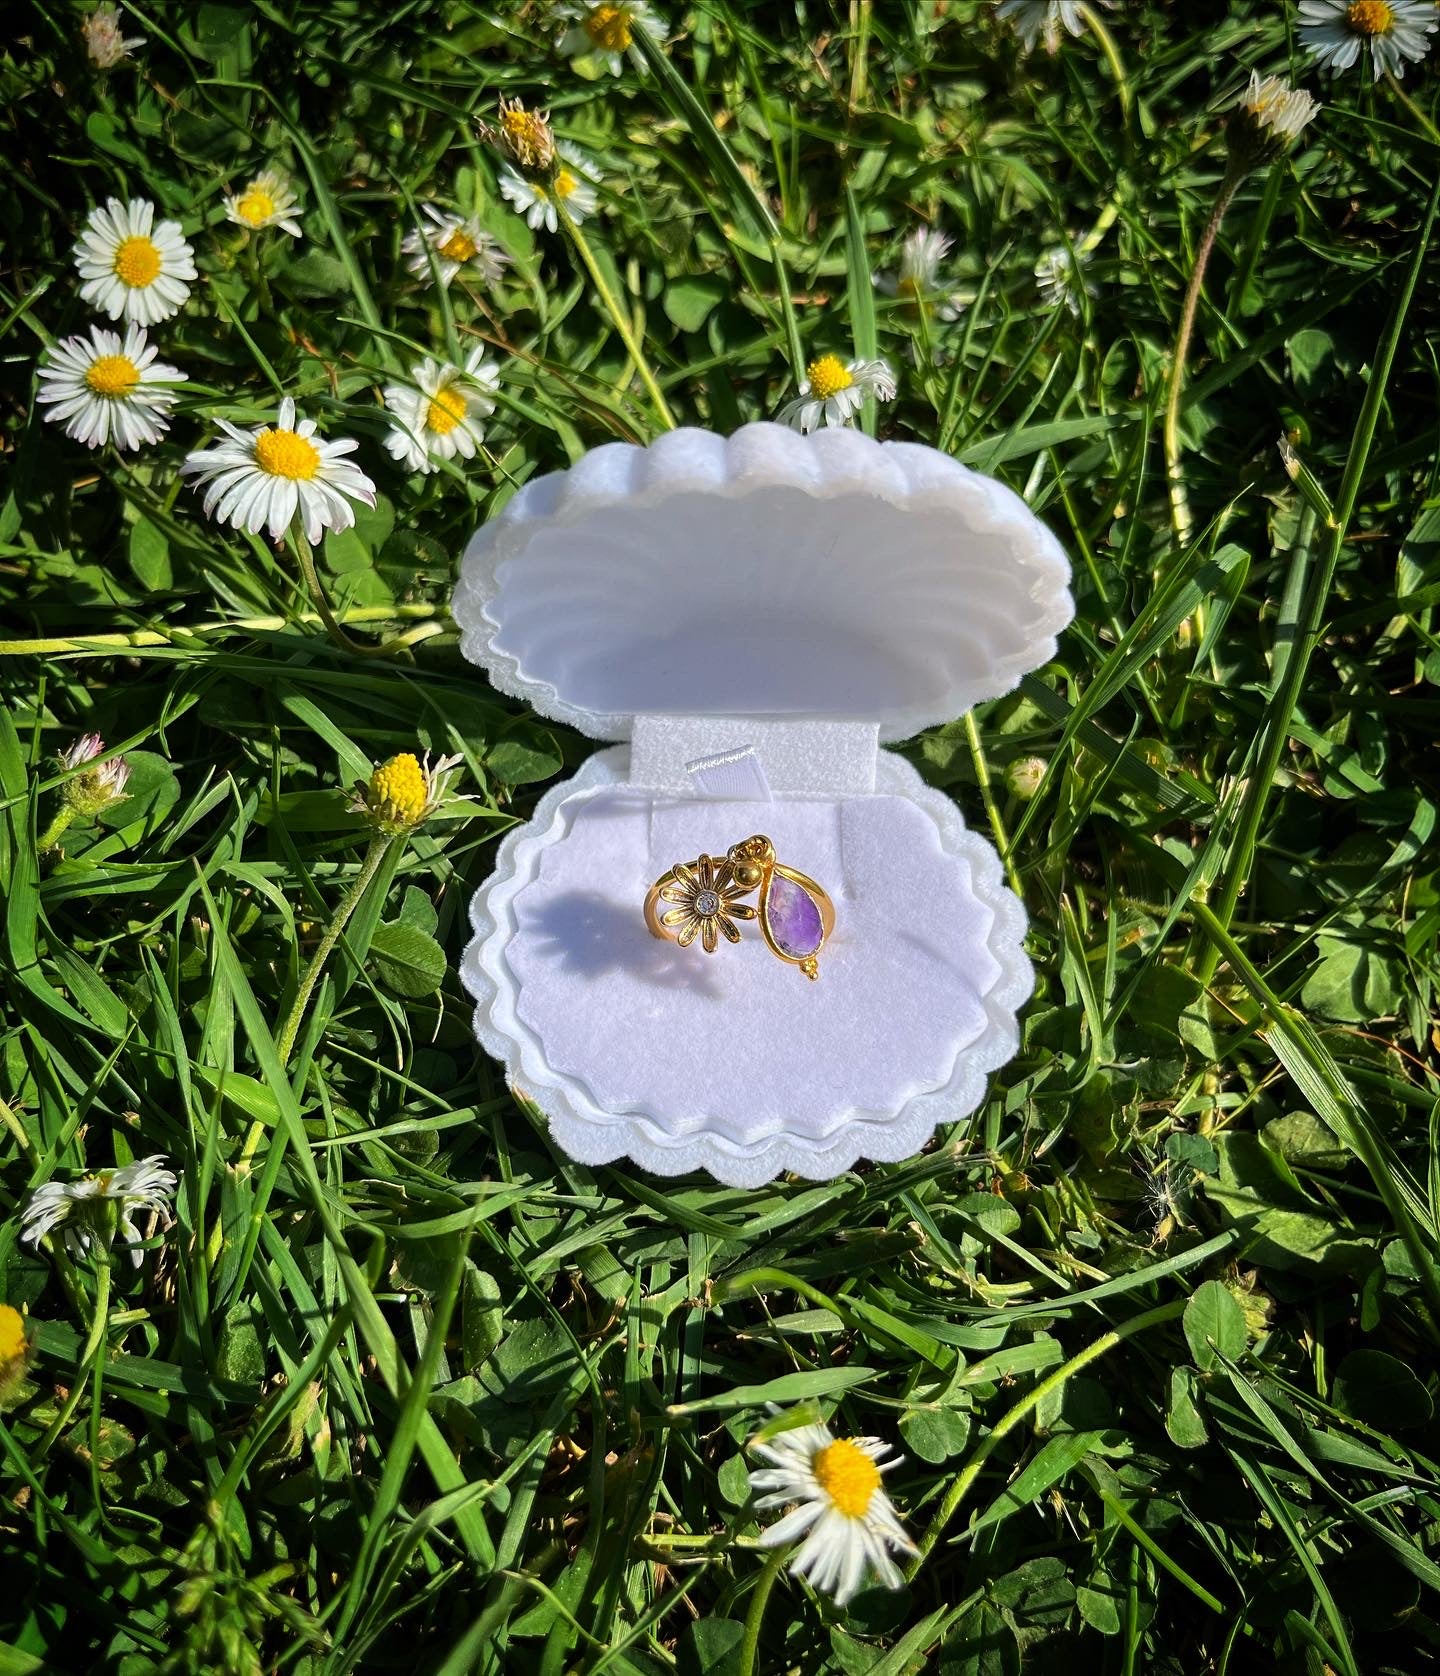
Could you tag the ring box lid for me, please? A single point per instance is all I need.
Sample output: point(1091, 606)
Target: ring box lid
point(763, 574)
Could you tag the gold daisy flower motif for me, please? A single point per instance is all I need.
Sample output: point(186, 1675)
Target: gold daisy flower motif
point(706, 894)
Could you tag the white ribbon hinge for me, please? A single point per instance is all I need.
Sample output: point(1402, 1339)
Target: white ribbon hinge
point(736, 776)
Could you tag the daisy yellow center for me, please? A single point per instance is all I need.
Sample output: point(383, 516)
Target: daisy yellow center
point(398, 788)
point(446, 410)
point(828, 377)
point(256, 207)
point(112, 375)
point(847, 1475)
point(286, 454)
point(137, 261)
point(908, 287)
point(12, 1333)
point(1370, 17)
point(609, 27)
point(457, 246)
point(525, 131)
point(564, 183)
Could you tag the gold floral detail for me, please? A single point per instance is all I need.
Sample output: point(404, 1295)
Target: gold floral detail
point(706, 896)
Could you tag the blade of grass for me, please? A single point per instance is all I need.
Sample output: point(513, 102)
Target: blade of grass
point(372, 1324)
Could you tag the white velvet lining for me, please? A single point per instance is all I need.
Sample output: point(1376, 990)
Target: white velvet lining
point(763, 573)
point(735, 1063)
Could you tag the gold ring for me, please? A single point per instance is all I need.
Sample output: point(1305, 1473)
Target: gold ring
point(795, 914)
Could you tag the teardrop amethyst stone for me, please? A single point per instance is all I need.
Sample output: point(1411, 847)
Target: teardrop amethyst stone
point(793, 918)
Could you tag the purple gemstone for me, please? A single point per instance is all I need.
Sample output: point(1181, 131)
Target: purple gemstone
point(793, 918)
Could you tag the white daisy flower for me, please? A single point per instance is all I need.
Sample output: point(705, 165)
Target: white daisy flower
point(1269, 117)
point(1397, 32)
point(107, 389)
point(1034, 20)
point(1278, 112)
point(133, 269)
point(438, 413)
point(266, 201)
point(848, 1522)
point(918, 281)
point(258, 480)
point(455, 241)
point(103, 40)
point(573, 184)
point(101, 786)
point(1060, 277)
point(85, 1211)
point(834, 391)
point(607, 32)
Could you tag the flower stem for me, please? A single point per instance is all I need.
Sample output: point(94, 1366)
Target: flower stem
point(332, 623)
point(987, 797)
point(1179, 500)
point(51, 836)
point(93, 1348)
point(285, 1043)
point(1432, 132)
point(759, 1600)
point(1008, 1421)
point(257, 274)
point(616, 313)
point(434, 619)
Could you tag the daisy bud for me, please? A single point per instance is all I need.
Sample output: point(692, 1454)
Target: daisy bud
point(1256, 1305)
point(403, 792)
point(1024, 777)
point(1269, 117)
point(525, 136)
point(102, 784)
point(104, 40)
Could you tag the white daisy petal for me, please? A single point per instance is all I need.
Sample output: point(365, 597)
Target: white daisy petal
point(793, 1525)
point(1061, 280)
point(1397, 32)
point(1037, 20)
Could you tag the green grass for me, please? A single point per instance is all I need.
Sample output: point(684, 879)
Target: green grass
point(407, 1389)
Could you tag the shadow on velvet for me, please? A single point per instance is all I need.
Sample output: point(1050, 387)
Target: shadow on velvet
point(584, 934)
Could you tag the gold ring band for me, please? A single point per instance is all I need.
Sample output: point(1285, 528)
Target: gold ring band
point(796, 915)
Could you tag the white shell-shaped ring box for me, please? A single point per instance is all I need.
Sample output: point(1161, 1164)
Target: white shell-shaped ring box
point(752, 618)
